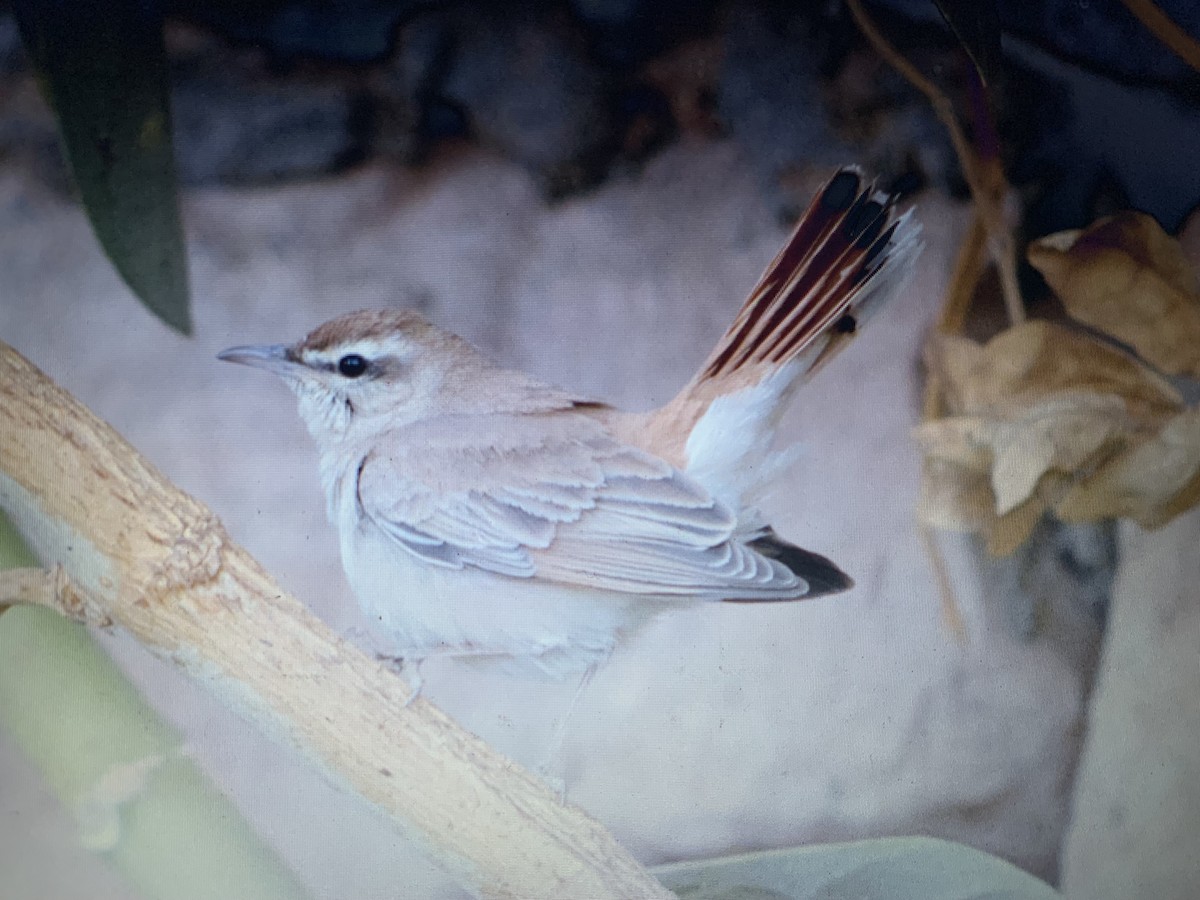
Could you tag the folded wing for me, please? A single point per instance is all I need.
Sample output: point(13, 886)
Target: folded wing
point(557, 498)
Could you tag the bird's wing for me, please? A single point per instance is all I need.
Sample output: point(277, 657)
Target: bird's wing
point(556, 497)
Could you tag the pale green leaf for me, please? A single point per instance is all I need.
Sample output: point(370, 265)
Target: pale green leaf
point(905, 868)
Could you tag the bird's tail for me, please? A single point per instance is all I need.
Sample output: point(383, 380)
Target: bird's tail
point(848, 254)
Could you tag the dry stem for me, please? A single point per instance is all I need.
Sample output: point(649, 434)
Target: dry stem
point(1164, 28)
point(968, 268)
point(989, 227)
point(986, 180)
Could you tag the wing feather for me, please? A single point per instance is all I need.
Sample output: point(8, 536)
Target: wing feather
point(556, 497)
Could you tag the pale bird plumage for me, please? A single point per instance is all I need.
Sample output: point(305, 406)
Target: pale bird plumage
point(481, 511)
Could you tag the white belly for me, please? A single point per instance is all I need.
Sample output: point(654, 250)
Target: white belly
point(430, 610)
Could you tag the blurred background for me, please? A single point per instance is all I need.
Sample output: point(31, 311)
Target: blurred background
point(587, 190)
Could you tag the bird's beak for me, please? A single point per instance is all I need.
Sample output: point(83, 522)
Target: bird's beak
point(272, 357)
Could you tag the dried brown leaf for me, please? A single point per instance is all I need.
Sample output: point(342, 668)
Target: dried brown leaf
point(954, 497)
point(1153, 482)
point(1063, 433)
point(1051, 418)
point(1037, 359)
point(1124, 275)
point(1008, 532)
point(958, 440)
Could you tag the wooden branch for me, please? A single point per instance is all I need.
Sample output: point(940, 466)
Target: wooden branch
point(35, 586)
point(51, 588)
point(145, 556)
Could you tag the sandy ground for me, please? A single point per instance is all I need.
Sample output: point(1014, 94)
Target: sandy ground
point(718, 729)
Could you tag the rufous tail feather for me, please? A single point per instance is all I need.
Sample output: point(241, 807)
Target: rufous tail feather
point(815, 295)
point(849, 252)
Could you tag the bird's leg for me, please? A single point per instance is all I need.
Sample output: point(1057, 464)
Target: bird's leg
point(553, 762)
point(405, 665)
point(409, 669)
point(408, 665)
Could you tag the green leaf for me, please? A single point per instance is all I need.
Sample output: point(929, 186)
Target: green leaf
point(137, 797)
point(102, 67)
point(13, 551)
point(906, 868)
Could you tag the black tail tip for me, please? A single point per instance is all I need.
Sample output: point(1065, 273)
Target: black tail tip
point(841, 191)
point(865, 226)
point(822, 574)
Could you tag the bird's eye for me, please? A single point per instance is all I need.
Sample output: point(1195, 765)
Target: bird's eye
point(352, 365)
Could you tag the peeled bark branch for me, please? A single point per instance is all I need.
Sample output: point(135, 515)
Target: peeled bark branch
point(137, 552)
point(32, 586)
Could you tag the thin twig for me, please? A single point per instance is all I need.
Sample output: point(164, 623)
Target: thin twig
point(986, 181)
point(968, 267)
point(1164, 28)
point(939, 101)
point(951, 610)
point(989, 229)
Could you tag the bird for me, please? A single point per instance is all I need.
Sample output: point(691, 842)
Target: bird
point(484, 514)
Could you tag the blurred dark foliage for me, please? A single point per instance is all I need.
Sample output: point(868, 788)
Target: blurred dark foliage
point(1092, 109)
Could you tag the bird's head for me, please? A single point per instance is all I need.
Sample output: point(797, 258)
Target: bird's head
point(367, 371)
